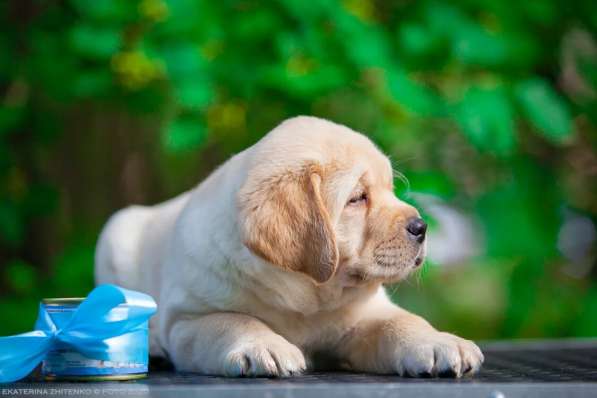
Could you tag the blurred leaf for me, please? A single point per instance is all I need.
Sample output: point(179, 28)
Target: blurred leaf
point(444, 19)
point(521, 222)
point(588, 68)
point(149, 101)
point(413, 96)
point(545, 109)
point(21, 277)
point(136, 70)
point(94, 41)
point(6, 159)
point(182, 20)
point(308, 12)
point(473, 45)
point(95, 83)
point(6, 53)
point(365, 44)
point(521, 217)
point(428, 182)
point(522, 295)
point(154, 10)
point(182, 60)
point(416, 39)
point(587, 324)
point(18, 314)
point(43, 70)
point(305, 83)
point(46, 126)
point(486, 118)
point(183, 134)
point(10, 117)
point(257, 24)
point(193, 93)
point(544, 12)
point(12, 228)
point(106, 10)
point(73, 269)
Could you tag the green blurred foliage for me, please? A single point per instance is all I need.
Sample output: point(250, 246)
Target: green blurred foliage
point(489, 106)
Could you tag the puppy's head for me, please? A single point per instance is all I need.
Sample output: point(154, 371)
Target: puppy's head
point(319, 199)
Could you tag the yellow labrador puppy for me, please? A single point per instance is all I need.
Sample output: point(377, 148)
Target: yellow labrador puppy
point(280, 255)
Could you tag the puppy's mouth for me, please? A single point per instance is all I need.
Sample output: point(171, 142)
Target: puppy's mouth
point(399, 257)
point(418, 262)
point(420, 258)
point(386, 271)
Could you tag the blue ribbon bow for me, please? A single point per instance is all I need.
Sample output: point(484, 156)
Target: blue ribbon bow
point(93, 322)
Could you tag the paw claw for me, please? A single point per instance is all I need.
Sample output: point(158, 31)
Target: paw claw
point(437, 354)
point(277, 358)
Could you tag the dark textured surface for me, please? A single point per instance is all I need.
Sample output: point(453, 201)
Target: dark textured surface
point(530, 369)
point(501, 365)
point(526, 365)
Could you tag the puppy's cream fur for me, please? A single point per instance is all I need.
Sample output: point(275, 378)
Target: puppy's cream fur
point(280, 254)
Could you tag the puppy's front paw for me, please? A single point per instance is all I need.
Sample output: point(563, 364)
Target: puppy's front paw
point(437, 354)
point(270, 356)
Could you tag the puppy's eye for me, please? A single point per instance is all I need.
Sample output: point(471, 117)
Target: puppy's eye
point(358, 199)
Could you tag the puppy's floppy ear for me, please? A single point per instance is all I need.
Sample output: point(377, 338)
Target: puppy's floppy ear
point(284, 221)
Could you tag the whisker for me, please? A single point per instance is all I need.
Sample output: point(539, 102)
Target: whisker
point(405, 281)
point(393, 289)
point(400, 176)
point(419, 274)
point(402, 160)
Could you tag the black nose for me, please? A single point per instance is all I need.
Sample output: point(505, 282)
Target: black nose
point(417, 228)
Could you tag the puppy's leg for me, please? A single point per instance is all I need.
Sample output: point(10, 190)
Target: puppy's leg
point(392, 340)
point(233, 345)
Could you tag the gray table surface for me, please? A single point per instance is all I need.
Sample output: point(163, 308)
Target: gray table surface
point(559, 368)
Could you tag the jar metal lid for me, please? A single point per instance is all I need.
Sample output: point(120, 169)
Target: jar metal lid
point(63, 301)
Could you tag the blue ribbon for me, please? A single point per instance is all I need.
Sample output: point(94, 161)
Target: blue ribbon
point(93, 322)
